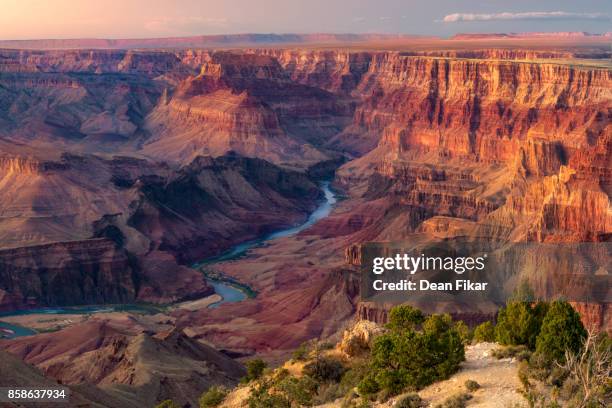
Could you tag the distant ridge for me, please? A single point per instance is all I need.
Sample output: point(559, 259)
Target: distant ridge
point(559, 34)
point(230, 40)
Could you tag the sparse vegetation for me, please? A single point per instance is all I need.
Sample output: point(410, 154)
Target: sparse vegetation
point(456, 401)
point(325, 369)
point(471, 385)
point(415, 351)
point(589, 372)
point(213, 397)
point(255, 369)
point(301, 353)
point(261, 398)
point(167, 404)
point(568, 367)
point(519, 352)
point(409, 401)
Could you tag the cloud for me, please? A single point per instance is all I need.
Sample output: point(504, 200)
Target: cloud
point(530, 15)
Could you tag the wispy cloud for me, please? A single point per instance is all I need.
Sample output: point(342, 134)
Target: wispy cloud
point(530, 15)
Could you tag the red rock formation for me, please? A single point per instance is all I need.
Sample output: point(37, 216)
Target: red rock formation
point(124, 359)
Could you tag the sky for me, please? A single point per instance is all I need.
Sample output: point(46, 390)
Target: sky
point(31, 19)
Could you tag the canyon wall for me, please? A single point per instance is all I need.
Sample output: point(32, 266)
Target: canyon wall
point(439, 143)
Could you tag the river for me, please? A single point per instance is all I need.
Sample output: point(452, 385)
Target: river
point(232, 293)
point(229, 292)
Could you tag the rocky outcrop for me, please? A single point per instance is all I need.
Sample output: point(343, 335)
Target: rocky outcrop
point(122, 358)
point(359, 339)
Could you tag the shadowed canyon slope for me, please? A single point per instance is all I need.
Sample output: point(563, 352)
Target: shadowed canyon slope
point(119, 167)
point(127, 361)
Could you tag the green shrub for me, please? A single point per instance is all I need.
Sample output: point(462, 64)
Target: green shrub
point(464, 331)
point(301, 353)
point(213, 397)
point(261, 397)
point(405, 317)
point(353, 376)
point(471, 385)
point(368, 385)
point(519, 352)
point(518, 323)
point(561, 330)
point(456, 401)
point(523, 375)
point(167, 404)
point(484, 332)
point(255, 369)
point(298, 390)
point(409, 401)
point(405, 357)
point(325, 369)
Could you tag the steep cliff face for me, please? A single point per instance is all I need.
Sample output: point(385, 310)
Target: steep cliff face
point(149, 63)
point(524, 124)
point(333, 70)
point(247, 103)
point(480, 108)
point(85, 272)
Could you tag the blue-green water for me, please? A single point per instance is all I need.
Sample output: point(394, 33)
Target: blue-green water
point(82, 310)
point(231, 293)
point(10, 331)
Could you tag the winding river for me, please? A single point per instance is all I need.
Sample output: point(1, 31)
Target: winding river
point(229, 292)
point(232, 293)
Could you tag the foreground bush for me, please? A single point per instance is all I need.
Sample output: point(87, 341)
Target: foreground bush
point(484, 332)
point(167, 404)
point(518, 324)
point(406, 357)
point(521, 353)
point(405, 317)
point(213, 397)
point(471, 385)
point(561, 331)
point(409, 401)
point(255, 369)
point(456, 401)
point(325, 369)
point(464, 331)
point(262, 397)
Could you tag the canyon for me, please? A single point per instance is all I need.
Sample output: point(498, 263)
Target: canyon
point(120, 168)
